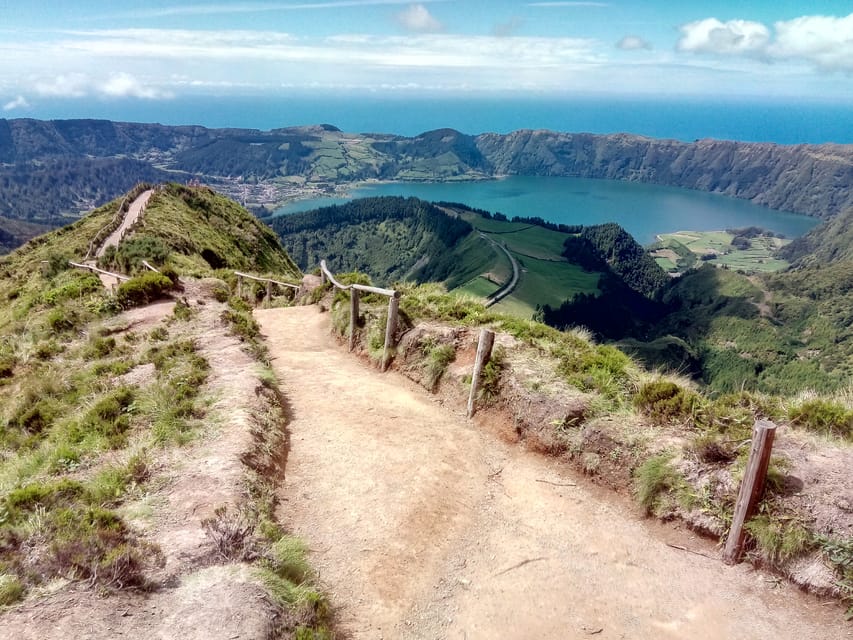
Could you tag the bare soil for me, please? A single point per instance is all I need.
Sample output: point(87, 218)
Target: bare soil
point(423, 524)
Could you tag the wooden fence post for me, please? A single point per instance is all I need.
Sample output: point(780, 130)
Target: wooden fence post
point(751, 488)
point(353, 316)
point(390, 329)
point(239, 286)
point(269, 293)
point(484, 352)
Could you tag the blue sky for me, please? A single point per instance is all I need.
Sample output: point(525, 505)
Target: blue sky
point(160, 50)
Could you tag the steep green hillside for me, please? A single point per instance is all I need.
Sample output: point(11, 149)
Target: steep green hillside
point(388, 238)
point(395, 239)
point(92, 396)
point(223, 234)
point(829, 242)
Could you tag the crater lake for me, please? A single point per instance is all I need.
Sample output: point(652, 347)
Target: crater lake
point(644, 210)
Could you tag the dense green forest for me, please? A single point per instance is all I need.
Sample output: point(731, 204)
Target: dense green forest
point(389, 238)
point(54, 192)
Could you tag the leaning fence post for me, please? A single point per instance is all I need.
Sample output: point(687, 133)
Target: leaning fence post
point(390, 328)
point(353, 316)
point(751, 488)
point(484, 352)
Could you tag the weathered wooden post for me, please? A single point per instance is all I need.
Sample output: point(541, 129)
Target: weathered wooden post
point(390, 328)
point(239, 286)
point(751, 488)
point(269, 293)
point(484, 352)
point(353, 317)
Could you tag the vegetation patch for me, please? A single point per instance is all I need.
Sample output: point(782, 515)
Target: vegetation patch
point(142, 289)
point(778, 538)
point(656, 484)
point(823, 416)
point(437, 357)
point(665, 401)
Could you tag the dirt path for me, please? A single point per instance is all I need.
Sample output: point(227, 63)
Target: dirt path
point(130, 218)
point(423, 525)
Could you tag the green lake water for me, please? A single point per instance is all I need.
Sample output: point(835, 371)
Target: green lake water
point(643, 210)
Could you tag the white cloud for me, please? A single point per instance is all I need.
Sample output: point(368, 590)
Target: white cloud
point(732, 37)
point(79, 85)
point(124, 85)
point(633, 43)
point(18, 103)
point(71, 85)
point(417, 18)
point(257, 7)
point(825, 41)
point(568, 4)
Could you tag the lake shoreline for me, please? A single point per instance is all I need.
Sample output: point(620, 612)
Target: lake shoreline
point(644, 210)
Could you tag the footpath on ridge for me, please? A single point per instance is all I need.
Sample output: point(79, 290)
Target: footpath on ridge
point(422, 524)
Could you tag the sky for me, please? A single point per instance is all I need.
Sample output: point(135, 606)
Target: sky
point(160, 50)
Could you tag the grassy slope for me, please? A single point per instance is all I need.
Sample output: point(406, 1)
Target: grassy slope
point(221, 229)
point(68, 457)
point(546, 277)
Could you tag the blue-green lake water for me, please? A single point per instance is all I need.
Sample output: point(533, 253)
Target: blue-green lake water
point(643, 210)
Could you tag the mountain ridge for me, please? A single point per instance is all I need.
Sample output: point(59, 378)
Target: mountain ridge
point(264, 168)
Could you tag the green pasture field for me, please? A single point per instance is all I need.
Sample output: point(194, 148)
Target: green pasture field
point(758, 258)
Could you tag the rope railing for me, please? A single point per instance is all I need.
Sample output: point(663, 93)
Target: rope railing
point(393, 310)
point(270, 282)
point(95, 269)
point(116, 221)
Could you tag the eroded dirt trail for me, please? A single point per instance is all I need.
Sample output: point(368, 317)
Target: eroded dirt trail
point(423, 525)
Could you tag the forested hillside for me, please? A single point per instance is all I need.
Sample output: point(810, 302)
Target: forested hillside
point(389, 238)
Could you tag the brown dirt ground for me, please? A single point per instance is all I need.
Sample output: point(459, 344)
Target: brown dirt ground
point(193, 598)
point(425, 525)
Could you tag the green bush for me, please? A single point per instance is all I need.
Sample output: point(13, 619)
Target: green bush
point(655, 479)
point(142, 289)
point(438, 357)
point(665, 401)
point(11, 589)
point(778, 539)
point(62, 319)
point(823, 416)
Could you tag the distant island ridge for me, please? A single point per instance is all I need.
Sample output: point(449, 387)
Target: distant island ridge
point(779, 121)
point(51, 171)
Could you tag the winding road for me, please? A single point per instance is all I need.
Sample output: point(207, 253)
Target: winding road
point(508, 288)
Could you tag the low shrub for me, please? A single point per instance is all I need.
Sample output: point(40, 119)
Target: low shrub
point(490, 378)
point(437, 359)
point(655, 479)
point(778, 539)
point(11, 589)
point(142, 289)
point(823, 416)
point(666, 401)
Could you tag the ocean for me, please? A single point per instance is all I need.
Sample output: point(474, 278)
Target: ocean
point(406, 114)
